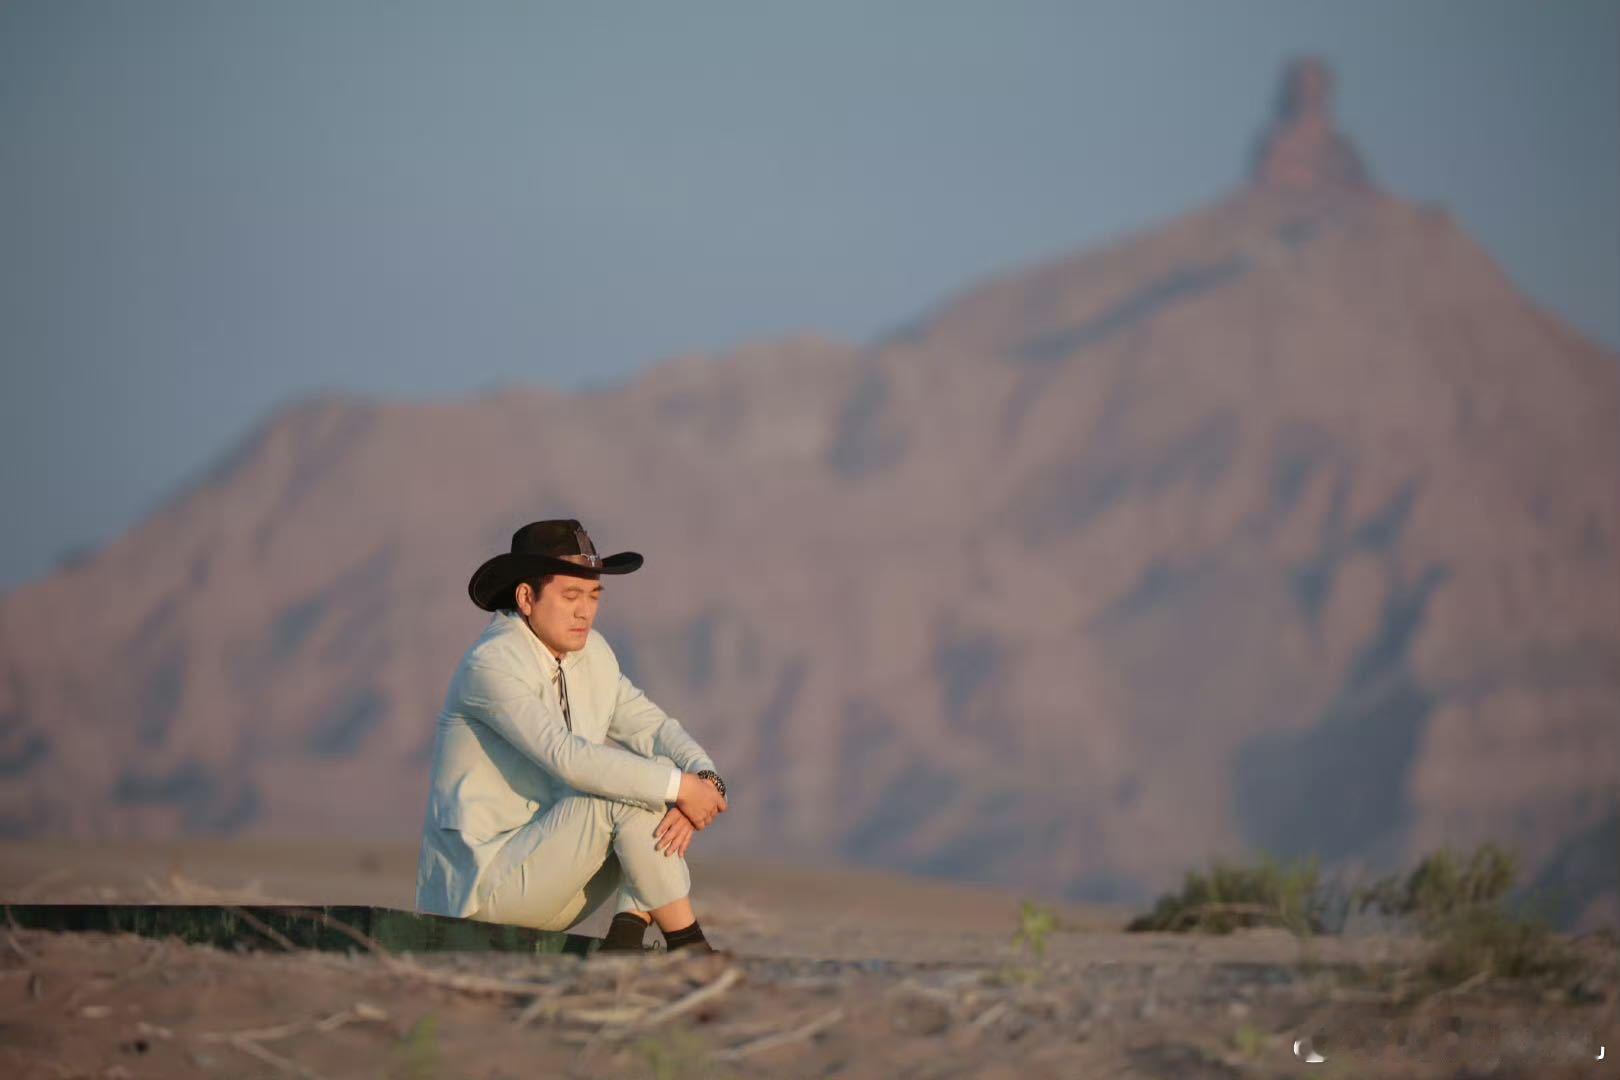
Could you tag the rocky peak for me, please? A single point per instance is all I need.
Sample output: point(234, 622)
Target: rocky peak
point(1301, 150)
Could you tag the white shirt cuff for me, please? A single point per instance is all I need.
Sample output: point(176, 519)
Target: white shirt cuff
point(672, 790)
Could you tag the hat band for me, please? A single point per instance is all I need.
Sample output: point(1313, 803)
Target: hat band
point(587, 558)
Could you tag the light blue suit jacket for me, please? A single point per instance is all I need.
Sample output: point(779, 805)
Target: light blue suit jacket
point(503, 754)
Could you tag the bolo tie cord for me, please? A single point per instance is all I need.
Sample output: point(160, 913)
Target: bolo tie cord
point(562, 693)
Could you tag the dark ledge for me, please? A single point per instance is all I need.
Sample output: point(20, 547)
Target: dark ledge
point(283, 926)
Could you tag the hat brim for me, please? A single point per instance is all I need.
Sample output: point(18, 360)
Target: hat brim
point(500, 573)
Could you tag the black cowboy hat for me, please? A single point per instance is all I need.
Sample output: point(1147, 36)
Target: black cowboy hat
point(538, 548)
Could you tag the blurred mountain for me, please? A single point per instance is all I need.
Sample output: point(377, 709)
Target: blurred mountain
point(1288, 525)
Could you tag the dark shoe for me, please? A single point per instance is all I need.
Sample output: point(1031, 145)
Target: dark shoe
point(627, 933)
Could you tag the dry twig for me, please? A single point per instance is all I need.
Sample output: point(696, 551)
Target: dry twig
point(27, 957)
point(361, 1012)
point(262, 927)
point(784, 1038)
point(989, 1016)
point(637, 1024)
point(467, 984)
point(603, 1016)
point(448, 980)
point(286, 1065)
point(726, 981)
point(365, 941)
point(11, 939)
point(545, 1001)
point(1476, 979)
point(1473, 981)
point(250, 1042)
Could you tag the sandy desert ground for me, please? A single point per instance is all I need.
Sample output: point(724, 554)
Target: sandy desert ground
point(832, 972)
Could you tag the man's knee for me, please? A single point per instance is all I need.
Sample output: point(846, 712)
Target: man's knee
point(580, 804)
point(610, 813)
point(628, 817)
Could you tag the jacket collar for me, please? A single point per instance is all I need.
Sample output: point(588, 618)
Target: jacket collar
point(514, 624)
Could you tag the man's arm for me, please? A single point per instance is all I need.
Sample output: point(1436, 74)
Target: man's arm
point(643, 728)
point(520, 716)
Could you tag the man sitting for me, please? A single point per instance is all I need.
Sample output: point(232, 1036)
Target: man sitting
point(555, 780)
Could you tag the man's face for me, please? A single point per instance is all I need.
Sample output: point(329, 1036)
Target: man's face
point(561, 616)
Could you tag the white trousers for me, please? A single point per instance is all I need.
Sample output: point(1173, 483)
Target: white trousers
point(562, 865)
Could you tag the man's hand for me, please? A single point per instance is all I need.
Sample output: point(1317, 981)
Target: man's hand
point(699, 800)
point(674, 833)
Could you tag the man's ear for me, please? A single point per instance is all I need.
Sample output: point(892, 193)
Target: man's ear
point(524, 595)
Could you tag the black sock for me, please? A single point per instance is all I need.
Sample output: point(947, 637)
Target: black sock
point(625, 931)
point(681, 939)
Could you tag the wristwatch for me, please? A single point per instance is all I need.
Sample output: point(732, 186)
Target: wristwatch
point(714, 778)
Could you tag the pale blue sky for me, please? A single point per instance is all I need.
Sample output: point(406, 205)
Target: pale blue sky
point(207, 209)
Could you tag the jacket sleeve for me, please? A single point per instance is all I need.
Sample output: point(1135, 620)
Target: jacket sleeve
point(644, 728)
point(512, 709)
